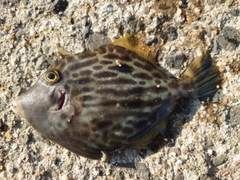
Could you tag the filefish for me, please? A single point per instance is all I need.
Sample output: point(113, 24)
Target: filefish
point(96, 101)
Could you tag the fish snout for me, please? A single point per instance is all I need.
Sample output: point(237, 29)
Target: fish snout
point(17, 108)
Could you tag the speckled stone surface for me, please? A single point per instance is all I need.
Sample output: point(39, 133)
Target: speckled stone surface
point(205, 137)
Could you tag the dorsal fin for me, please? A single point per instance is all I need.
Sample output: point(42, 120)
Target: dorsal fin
point(132, 43)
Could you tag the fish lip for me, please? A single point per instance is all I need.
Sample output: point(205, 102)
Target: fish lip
point(62, 100)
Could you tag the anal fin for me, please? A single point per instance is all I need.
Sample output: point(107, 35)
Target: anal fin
point(155, 125)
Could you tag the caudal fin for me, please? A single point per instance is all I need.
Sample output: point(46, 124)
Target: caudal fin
point(205, 76)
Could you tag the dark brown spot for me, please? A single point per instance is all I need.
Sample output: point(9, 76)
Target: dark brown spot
point(136, 91)
point(104, 62)
point(102, 50)
point(83, 80)
point(158, 82)
point(85, 63)
point(103, 124)
point(142, 76)
point(141, 103)
point(86, 98)
point(66, 87)
point(105, 74)
point(125, 57)
point(146, 65)
point(110, 47)
point(86, 54)
point(68, 59)
point(138, 64)
point(142, 82)
point(124, 68)
point(85, 73)
point(74, 75)
point(111, 56)
point(97, 67)
point(157, 75)
point(133, 104)
point(120, 50)
point(149, 67)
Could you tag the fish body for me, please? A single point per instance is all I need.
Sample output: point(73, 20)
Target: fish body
point(96, 101)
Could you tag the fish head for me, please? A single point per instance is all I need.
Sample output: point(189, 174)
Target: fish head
point(46, 105)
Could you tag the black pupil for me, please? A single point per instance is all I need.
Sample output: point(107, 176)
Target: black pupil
point(51, 76)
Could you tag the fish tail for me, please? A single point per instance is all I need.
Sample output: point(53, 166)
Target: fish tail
point(204, 75)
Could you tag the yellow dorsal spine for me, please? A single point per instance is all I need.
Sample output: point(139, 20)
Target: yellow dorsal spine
point(132, 43)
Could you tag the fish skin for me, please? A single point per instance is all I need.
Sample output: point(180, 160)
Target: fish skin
point(105, 98)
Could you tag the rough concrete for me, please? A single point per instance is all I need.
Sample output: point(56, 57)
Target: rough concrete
point(205, 137)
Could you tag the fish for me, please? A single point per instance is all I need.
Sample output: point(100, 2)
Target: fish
point(94, 102)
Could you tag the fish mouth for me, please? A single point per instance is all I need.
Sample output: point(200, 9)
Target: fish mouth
point(62, 100)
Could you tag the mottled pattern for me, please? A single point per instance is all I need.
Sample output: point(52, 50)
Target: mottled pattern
point(118, 89)
point(103, 99)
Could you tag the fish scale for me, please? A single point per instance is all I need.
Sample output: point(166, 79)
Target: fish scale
point(96, 101)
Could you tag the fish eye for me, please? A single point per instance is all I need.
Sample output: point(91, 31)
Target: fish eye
point(52, 76)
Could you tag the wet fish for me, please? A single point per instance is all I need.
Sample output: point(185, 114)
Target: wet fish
point(96, 101)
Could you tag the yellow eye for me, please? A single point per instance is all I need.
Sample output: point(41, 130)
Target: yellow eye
point(52, 76)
